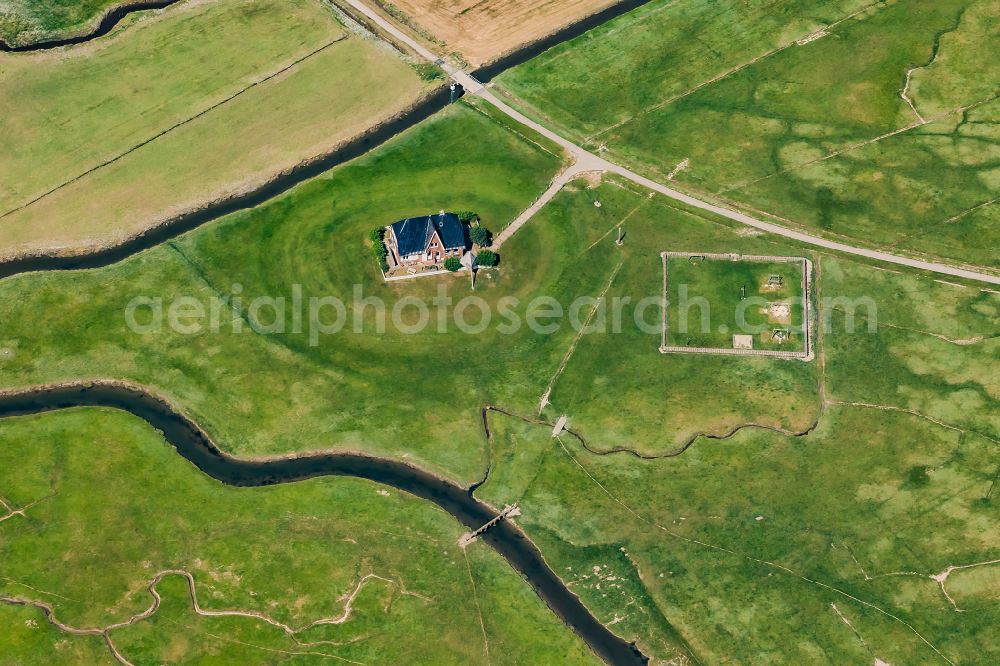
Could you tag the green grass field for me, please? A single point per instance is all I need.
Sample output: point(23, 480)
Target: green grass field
point(29, 639)
point(711, 300)
point(803, 488)
point(242, 386)
point(617, 388)
point(723, 527)
point(314, 237)
point(796, 109)
point(764, 546)
point(116, 505)
point(899, 475)
point(106, 139)
point(936, 352)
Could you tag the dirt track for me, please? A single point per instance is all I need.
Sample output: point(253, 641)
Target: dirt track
point(481, 30)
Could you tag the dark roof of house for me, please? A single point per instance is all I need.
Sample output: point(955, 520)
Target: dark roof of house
point(414, 233)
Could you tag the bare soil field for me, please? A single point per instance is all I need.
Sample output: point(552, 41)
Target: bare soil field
point(482, 30)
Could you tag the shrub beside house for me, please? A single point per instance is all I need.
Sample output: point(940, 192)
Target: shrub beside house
point(381, 252)
point(480, 235)
point(487, 259)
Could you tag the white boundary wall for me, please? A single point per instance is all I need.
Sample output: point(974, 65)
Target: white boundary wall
point(808, 353)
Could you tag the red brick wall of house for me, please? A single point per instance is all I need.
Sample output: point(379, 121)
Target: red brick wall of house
point(438, 253)
point(436, 248)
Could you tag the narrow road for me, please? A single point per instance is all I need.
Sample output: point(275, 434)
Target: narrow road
point(560, 181)
point(587, 161)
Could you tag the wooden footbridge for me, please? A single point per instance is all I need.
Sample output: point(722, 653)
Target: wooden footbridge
point(509, 511)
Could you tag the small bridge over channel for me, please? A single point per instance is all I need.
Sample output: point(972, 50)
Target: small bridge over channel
point(509, 511)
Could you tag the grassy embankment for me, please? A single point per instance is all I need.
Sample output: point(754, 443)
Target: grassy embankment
point(116, 505)
point(30, 21)
point(816, 132)
point(103, 140)
point(482, 31)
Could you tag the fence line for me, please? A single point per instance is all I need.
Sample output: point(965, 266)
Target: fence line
point(807, 354)
point(421, 274)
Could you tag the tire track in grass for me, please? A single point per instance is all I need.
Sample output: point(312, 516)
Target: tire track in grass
point(479, 608)
point(11, 511)
point(801, 41)
point(576, 340)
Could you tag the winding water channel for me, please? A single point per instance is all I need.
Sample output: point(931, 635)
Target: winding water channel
point(194, 445)
point(107, 23)
point(283, 182)
point(491, 70)
point(351, 149)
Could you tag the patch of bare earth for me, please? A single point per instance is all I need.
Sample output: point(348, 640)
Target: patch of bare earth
point(482, 30)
